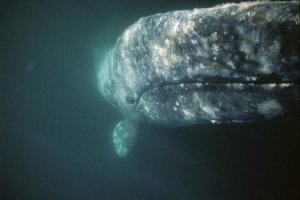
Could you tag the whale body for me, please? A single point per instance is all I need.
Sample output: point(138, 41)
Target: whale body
point(232, 63)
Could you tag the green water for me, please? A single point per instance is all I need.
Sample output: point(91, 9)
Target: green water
point(56, 129)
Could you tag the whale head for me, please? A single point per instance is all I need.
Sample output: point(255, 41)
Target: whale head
point(189, 67)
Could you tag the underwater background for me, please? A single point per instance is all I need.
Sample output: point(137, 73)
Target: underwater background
point(56, 129)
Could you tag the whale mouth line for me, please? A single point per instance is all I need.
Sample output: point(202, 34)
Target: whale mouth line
point(201, 85)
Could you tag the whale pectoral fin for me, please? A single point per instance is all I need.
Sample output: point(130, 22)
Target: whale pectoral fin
point(124, 136)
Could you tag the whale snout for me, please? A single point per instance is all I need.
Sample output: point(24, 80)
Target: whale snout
point(224, 64)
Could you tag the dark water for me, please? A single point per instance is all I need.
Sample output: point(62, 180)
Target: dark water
point(55, 128)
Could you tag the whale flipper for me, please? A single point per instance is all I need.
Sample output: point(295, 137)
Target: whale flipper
point(124, 136)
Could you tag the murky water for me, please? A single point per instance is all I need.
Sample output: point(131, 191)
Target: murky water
point(56, 129)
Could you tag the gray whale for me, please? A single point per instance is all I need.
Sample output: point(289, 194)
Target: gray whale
point(232, 63)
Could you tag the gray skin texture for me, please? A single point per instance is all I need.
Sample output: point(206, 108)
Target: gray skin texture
point(230, 63)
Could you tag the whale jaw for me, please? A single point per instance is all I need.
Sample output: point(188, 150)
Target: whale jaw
point(196, 103)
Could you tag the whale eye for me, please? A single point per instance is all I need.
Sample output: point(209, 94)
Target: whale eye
point(130, 100)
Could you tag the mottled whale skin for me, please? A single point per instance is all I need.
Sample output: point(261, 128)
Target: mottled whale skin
point(230, 63)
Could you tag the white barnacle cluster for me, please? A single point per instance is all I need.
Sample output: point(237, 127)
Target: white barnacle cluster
point(130, 77)
point(208, 110)
point(126, 36)
point(267, 66)
point(193, 107)
point(245, 5)
point(296, 19)
point(269, 86)
point(214, 36)
point(160, 62)
point(285, 85)
point(149, 105)
point(215, 49)
point(268, 17)
point(250, 78)
point(188, 26)
point(272, 86)
point(130, 32)
point(236, 86)
point(188, 114)
point(162, 50)
point(269, 108)
point(175, 28)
